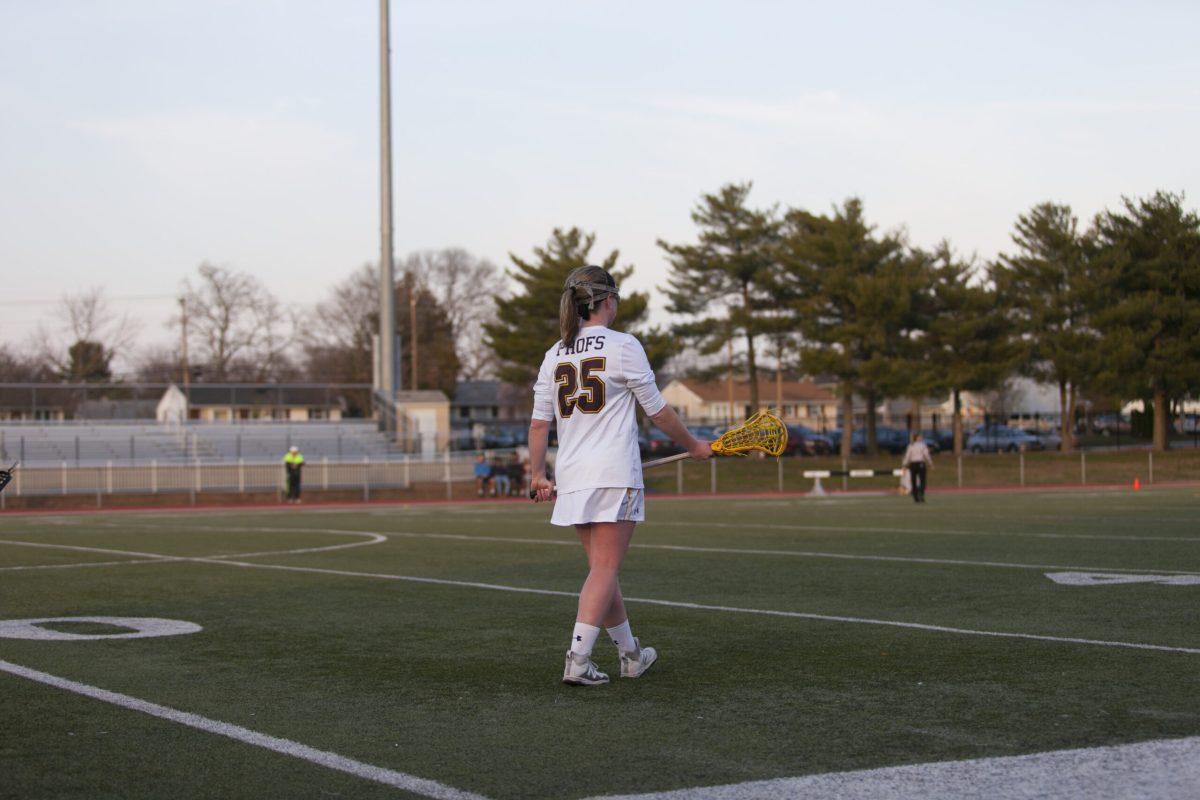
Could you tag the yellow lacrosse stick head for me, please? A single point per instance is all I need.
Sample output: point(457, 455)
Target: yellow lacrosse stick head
point(764, 432)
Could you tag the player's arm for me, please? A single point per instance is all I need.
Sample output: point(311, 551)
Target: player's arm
point(541, 487)
point(639, 377)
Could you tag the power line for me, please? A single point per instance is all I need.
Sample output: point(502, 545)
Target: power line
point(120, 298)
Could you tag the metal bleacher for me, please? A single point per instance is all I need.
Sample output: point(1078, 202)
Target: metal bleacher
point(96, 444)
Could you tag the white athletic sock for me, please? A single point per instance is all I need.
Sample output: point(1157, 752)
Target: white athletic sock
point(622, 637)
point(583, 639)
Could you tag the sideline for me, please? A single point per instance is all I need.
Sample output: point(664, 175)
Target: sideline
point(1166, 769)
point(495, 502)
point(324, 758)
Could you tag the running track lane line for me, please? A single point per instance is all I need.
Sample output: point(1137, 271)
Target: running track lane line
point(680, 604)
point(323, 758)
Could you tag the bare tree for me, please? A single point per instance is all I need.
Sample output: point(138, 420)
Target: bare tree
point(16, 366)
point(156, 364)
point(337, 342)
point(88, 336)
point(235, 320)
point(464, 286)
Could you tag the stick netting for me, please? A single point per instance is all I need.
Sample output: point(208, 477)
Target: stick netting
point(764, 431)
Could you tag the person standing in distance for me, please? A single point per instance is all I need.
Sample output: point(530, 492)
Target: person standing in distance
point(587, 385)
point(293, 463)
point(916, 458)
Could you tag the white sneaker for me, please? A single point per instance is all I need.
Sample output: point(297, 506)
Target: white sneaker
point(635, 663)
point(581, 671)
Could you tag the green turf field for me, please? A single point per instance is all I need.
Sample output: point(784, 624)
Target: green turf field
point(797, 636)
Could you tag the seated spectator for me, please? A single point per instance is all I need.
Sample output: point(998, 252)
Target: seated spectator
point(483, 474)
point(500, 482)
point(516, 475)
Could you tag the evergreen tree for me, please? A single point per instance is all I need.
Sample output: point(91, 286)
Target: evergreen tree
point(526, 322)
point(88, 361)
point(1148, 259)
point(437, 358)
point(970, 342)
point(854, 299)
point(1047, 287)
point(723, 281)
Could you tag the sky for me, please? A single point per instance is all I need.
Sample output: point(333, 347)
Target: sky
point(139, 138)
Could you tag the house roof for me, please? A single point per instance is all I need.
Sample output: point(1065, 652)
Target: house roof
point(793, 391)
point(116, 409)
point(261, 395)
point(489, 393)
point(422, 396)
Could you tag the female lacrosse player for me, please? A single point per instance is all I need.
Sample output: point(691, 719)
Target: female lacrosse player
point(587, 384)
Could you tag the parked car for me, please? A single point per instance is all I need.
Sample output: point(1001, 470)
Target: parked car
point(804, 441)
point(938, 440)
point(889, 440)
point(707, 432)
point(997, 439)
point(504, 438)
point(1108, 424)
point(658, 444)
point(1050, 439)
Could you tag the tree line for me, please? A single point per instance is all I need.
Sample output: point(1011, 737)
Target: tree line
point(1107, 310)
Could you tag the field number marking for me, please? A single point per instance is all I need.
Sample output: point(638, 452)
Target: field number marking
point(229, 561)
point(1110, 578)
point(142, 628)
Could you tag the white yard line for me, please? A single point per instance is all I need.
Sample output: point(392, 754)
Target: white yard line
point(323, 758)
point(465, 516)
point(795, 553)
point(1163, 770)
point(228, 561)
point(926, 532)
point(463, 537)
point(706, 607)
point(108, 550)
point(371, 538)
point(80, 565)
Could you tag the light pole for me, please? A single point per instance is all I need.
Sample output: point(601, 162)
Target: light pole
point(387, 288)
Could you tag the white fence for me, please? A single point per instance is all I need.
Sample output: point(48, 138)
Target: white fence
point(244, 476)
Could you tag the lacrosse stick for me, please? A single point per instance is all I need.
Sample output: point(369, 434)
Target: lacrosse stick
point(6, 475)
point(763, 432)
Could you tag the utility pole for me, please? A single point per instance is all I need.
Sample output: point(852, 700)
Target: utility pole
point(183, 344)
point(779, 377)
point(387, 285)
point(412, 325)
point(729, 381)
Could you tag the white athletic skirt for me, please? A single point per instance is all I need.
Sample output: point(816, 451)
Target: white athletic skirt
point(599, 505)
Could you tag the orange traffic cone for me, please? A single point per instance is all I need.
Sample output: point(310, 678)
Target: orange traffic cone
point(1137, 484)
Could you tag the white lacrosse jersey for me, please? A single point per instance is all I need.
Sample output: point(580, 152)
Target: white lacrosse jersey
point(589, 387)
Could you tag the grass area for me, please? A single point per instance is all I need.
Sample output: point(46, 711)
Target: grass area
point(458, 683)
point(985, 469)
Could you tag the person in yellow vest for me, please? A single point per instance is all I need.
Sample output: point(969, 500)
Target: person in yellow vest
point(293, 462)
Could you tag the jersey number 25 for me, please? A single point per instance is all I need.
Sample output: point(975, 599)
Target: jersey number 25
point(580, 388)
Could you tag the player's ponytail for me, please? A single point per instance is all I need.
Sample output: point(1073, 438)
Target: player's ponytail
point(584, 289)
point(568, 317)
